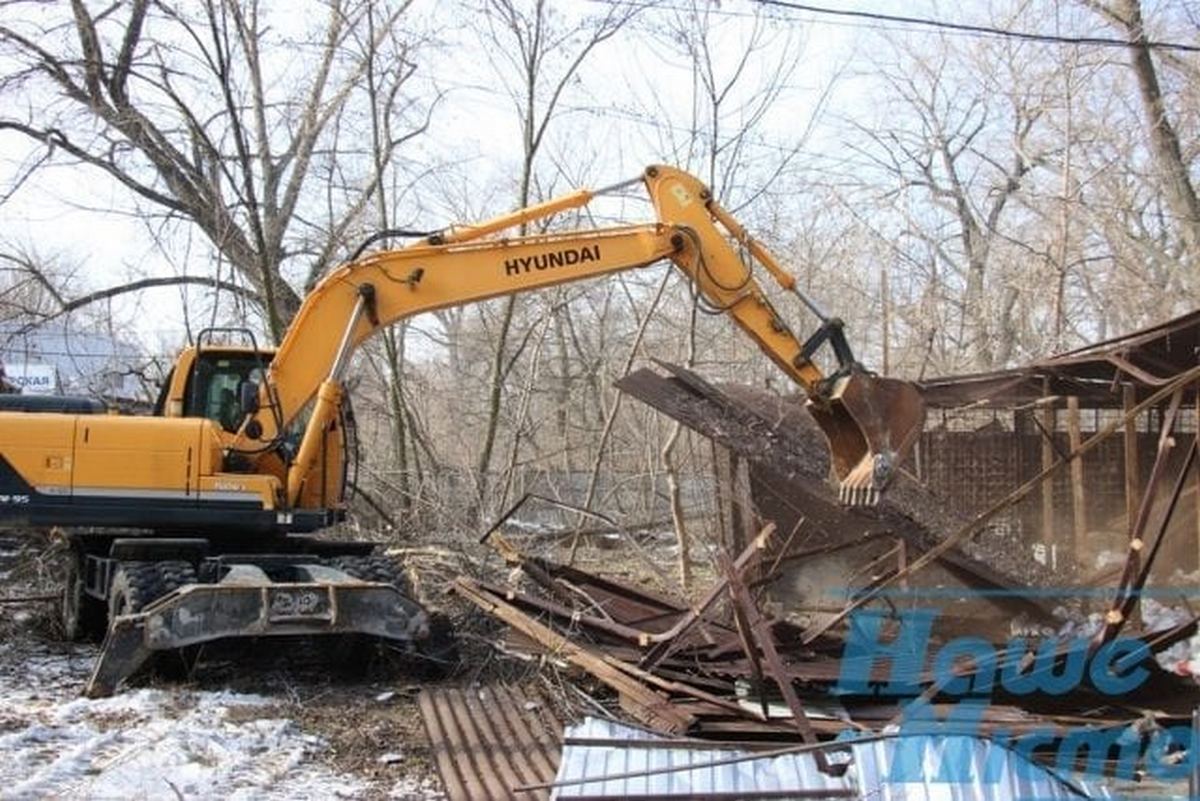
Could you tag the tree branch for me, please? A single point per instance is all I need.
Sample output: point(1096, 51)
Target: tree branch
point(68, 306)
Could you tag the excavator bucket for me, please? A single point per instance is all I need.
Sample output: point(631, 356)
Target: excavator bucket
point(871, 424)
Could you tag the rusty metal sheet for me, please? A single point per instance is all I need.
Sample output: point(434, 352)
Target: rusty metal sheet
point(788, 469)
point(488, 740)
point(650, 707)
point(1096, 373)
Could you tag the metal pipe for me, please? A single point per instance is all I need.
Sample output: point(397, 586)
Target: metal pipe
point(832, 745)
point(606, 190)
point(343, 351)
point(466, 233)
point(782, 277)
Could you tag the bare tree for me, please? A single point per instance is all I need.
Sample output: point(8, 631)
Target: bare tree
point(536, 53)
point(207, 121)
point(737, 74)
point(959, 153)
point(1173, 171)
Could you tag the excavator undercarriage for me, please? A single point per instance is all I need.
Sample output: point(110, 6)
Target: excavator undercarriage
point(167, 597)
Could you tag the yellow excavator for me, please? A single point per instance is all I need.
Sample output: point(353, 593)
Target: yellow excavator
point(196, 523)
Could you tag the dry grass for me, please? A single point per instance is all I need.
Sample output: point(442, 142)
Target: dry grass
point(31, 567)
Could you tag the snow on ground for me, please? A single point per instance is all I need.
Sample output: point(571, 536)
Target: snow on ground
point(9, 547)
point(147, 743)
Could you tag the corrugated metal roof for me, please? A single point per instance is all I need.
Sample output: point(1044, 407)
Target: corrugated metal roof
point(489, 740)
point(1144, 359)
point(919, 768)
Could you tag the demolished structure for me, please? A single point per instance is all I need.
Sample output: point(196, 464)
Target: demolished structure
point(970, 604)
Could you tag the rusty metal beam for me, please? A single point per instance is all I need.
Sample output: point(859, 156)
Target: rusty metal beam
point(1129, 593)
point(1144, 361)
point(1137, 525)
point(764, 638)
point(805, 748)
point(980, 520)
point(665, 643)
point(649, 707)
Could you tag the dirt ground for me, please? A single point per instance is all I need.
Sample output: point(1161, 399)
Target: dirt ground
point(359, 729)
point(345, 731)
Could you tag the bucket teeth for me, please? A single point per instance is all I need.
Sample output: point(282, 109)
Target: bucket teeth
point(871, 424)
point(858, 495)
point(861, 487)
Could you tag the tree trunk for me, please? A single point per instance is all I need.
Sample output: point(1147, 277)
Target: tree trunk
point(1164, 142)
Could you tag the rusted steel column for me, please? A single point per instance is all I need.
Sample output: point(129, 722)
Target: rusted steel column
point(1133, 571)
point(756, 630)
point(1133, 477)
point(1048, 426)
point(1078, 496)
point(1129, 593)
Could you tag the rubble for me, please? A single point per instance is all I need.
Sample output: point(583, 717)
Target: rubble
point(1031, 654)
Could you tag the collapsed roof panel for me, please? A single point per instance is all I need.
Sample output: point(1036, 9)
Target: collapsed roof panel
point(1145, 360)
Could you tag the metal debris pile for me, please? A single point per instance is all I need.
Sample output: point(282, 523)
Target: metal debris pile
point(736, 667)
point(723, 669)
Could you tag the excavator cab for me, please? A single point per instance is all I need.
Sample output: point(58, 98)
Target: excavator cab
point(218, 385)
point(213, 378)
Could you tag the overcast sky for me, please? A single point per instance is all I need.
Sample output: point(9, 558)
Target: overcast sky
point(631, 97)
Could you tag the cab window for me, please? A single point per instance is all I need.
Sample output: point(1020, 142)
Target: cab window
point(215, 388)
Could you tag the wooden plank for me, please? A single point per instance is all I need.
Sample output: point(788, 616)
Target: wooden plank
point(736, 507)
point(722, 460)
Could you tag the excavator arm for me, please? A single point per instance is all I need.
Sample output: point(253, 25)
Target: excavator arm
point(870, 422)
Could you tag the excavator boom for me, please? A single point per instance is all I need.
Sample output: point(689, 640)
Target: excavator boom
point(870, 423)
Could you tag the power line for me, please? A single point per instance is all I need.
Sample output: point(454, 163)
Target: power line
point(781, 17)
point(986, 30)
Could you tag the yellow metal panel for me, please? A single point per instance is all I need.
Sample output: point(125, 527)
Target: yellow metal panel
point(426, 277)
point(147, 454)
point(213, 442)
point(38, 446)
point(240, 487)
